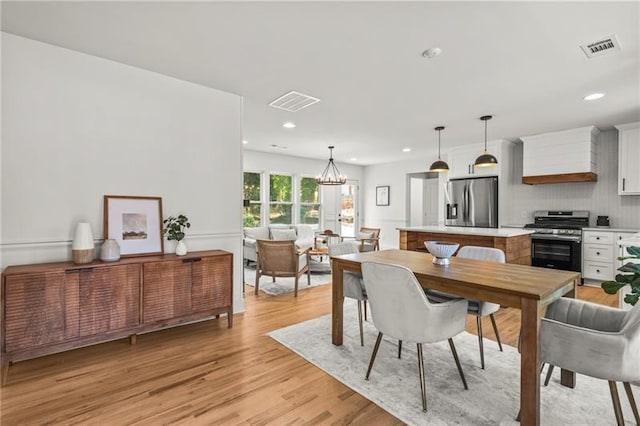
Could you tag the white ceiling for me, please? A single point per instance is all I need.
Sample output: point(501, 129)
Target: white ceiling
point(519, 61)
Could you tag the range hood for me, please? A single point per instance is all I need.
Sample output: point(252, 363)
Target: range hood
point(560, 157)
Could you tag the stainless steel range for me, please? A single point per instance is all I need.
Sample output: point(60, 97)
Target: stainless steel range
point(557, 241)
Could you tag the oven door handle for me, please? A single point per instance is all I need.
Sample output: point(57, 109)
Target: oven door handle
point(556, 238)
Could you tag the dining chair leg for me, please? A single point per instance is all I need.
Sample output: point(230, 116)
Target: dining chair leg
point(308, 276)
point(495, 330)
point(373, 355)
point(257, 282)
point(360, 323)
point(422, 382)
point(295, 291)
point(273, 277)
point(399, 349)
point(479, 324)
point(365, 309)
point(549, 373)
point(632, 401)
point(615, 398)
point(455, 357)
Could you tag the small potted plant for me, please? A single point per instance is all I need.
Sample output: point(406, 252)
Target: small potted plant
point(632, 278)
point(174, 228)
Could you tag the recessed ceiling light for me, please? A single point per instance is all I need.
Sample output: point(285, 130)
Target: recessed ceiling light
point(289, 125)
point(594, 96)
point(245, 142)
point(354, 159)
point(406, 149)
point(432, 52)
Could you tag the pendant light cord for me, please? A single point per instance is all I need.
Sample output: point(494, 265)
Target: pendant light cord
point(439, 132)
point(485, 135)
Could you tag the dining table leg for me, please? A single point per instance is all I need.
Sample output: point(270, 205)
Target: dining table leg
point(530, 363)
point(337, 303)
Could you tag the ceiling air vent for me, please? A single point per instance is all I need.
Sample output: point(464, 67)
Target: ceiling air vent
point(294, 101)
point(601, 47)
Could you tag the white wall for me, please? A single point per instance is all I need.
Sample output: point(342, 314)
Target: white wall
point(77, 127)
point(390, 217)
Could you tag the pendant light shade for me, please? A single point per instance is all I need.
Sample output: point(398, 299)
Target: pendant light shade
point(331, 175)
point(439, 165)
point(486, 159)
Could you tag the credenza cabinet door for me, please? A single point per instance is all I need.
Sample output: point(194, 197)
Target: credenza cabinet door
point(40, 309)
point(167, 290)
point(109, 299)
point(211, 283)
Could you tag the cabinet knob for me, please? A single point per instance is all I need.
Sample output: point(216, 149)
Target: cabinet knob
point(598, 270)
point(598, 253)
point(597, 238)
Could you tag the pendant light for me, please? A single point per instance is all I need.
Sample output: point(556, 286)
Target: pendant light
point(331, 175)
point(439, 165)
point(486, 159)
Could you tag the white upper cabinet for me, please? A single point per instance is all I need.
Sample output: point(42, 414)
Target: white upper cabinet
point(462, 160)
point(566, 156)
point(629, 159)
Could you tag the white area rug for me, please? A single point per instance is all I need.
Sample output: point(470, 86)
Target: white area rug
point(283, 285)
point(493, 395)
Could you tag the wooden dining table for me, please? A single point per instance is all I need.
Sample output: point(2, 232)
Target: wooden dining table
point(527, 288)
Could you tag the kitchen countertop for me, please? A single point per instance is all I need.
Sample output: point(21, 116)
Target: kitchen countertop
point(610, 229)
point(487, 232)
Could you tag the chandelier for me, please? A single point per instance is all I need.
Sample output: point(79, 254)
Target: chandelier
point(331, 175)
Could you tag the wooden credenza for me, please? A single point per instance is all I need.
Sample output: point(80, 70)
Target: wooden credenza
point(48, 308)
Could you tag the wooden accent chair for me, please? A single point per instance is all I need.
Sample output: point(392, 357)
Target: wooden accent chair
point(281, 259)
point(400, 309)
point(369, 239)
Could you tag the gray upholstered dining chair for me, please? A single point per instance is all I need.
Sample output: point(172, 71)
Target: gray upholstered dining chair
point(594, 340)
point(281, 258)
point(400, 309)
point(478, 308)
point(352, 282)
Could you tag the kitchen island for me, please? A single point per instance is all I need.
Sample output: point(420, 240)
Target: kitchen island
point(515, 243)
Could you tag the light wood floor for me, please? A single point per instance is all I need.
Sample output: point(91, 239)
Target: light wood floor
point(205, 374)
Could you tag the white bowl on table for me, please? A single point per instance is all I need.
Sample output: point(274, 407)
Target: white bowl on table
point(441, 251)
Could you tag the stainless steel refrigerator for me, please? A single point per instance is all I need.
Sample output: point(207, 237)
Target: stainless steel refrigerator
point(472, 202)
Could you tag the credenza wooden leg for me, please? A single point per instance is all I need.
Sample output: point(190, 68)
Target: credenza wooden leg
point(133, 339)
point(230, 319)
point(4, 373)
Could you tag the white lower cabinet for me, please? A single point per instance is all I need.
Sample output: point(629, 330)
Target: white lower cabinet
point(600, 250)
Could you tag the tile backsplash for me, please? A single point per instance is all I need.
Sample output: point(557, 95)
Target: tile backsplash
point(599, 198)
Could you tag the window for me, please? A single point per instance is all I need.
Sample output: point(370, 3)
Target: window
point(280, 207)
point(309, 202)
point(252, 213)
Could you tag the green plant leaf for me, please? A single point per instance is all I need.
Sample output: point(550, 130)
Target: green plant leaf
point(635, 251)
point(630, 267)
point(612, 287)
point(631, 298)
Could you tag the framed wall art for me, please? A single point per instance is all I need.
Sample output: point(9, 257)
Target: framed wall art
point(135, 223)
point(382, 195)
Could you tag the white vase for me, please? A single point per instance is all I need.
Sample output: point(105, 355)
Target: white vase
point(82, 248)
point(181, 248)
point(110, 251)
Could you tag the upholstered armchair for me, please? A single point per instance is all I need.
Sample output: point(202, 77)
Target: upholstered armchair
point(400, 309)
point(596, 341)
point(303, 236)
point(281, 259)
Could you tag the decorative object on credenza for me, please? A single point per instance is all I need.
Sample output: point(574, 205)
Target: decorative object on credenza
point(382, 195)
point(174, 228)
point(110, 251)
point(632, 278)
point(135, 223)
point(441, 251)
point(602, 222)
point(82, 248)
